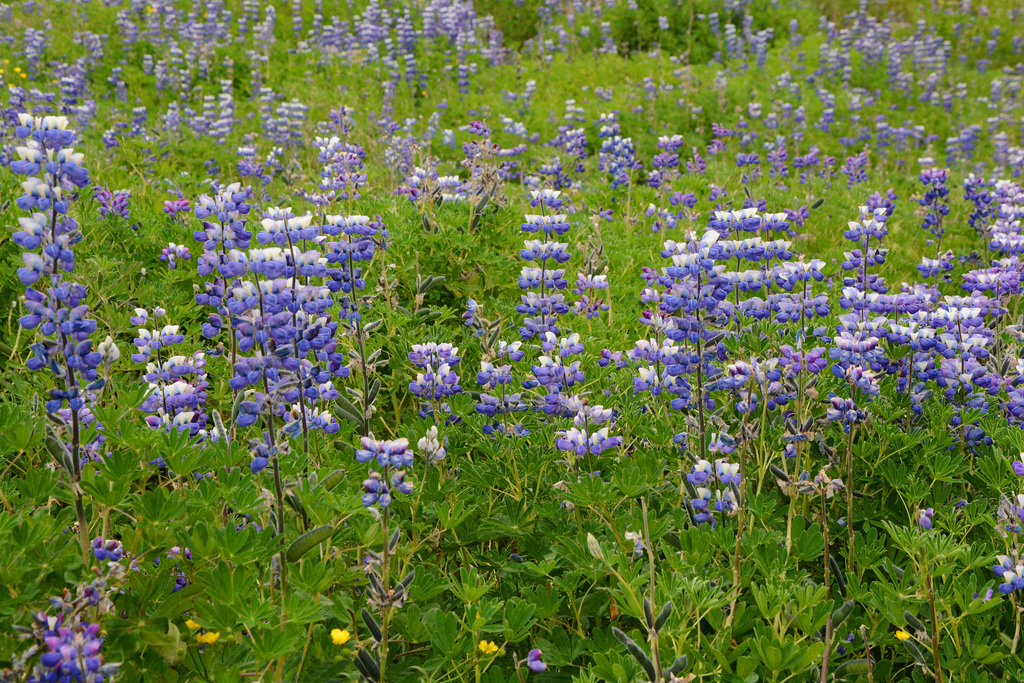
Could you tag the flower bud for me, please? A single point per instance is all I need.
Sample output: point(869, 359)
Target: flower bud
point(109, 353)
point(594, 547)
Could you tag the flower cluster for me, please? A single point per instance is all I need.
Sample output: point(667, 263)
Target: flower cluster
point(543, 301)
point(393, 458)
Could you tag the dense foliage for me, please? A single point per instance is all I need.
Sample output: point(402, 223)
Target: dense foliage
point(612, 340)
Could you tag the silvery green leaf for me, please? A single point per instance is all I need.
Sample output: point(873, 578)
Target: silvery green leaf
point(294, 502)
point(218, 426)
point(332, 480)
point(914, 623)
point(58, 451)
point(307, 541)
point(853, 667)
point(915, 652)
point(666, 612)
point(236, 406)
point(837, 572)
point(371, 625)
point(678, 666)
point(840, 615)
point(347, 416)
point(368, 666)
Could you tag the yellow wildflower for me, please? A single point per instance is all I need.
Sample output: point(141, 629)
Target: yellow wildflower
point(902, 635)
point(208, 638)
point(191, 624)
point(339, 637)
point(488, 648)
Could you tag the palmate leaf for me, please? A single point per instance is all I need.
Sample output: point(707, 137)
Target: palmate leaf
point(444, 630)
point(168, 643)
point(268, 644)
point(561, 649)
point(518, 619)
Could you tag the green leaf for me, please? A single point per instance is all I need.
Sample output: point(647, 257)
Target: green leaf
point(444, 630)
point(518, 619)
point(168, 644)
point(631, 482)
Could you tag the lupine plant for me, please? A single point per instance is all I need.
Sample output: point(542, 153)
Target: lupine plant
point(471, 341)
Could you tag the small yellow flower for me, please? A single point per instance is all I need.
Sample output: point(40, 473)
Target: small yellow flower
point(488, 648)
point(191, 624)
point(339, 637)
point(24, 75)
point(208, 638)
point(902, 635)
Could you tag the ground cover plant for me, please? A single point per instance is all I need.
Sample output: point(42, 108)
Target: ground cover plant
point(492, 341)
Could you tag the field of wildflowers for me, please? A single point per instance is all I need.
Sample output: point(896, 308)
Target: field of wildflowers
point(511, 340)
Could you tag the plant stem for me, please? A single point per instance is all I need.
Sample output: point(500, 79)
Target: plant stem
point(69, 383)
point(828, 591)
point(385, 576)
point(1016, 629)
point(935, 629)
point(741, 515)
point(362, 352)
point(700, 375)
point(867, 653)
point(652, 632)
point(295, 346)
point(850, 563)
point(828, 647)
point(276, 462)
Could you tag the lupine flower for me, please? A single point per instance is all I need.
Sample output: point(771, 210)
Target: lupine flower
point(52, 167)
point(534, 662)
point(1012, 574)
point(107, 550)
point(172, 252)
point(924, 518)
point(934, 201)
point(1018, 467)
point(431, 447)
point(387, 453)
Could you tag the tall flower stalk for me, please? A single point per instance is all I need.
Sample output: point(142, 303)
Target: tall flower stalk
point(53, 175)
point(393, 458)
